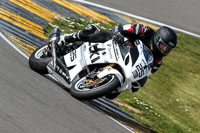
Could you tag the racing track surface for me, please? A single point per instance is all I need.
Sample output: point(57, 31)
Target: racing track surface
point(183, 14)
point(30, 103)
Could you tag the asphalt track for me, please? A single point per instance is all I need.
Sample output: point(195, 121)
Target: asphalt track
point(31, 103)
point(183, 14)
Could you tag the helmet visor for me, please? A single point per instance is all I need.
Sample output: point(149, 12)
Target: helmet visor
point(164, 48)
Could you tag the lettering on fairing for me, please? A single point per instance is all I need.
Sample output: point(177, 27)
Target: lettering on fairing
point(63, 73)
point(109, 51)
point(73, 55)
point(116, 53)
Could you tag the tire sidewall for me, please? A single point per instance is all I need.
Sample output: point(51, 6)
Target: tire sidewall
point(39, 64)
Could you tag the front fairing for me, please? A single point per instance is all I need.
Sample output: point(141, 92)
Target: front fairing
point(137, 63)
point(91, 54)
point(143, 65)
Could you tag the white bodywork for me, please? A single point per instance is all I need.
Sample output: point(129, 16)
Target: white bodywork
point(109, 53)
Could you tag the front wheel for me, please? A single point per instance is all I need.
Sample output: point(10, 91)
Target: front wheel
point(87, 89)
point(38, 61)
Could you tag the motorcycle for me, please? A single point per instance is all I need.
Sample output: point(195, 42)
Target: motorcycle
point(93, 70)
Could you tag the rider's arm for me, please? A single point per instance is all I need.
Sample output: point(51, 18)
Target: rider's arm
point(156, 65)
point(137, 31)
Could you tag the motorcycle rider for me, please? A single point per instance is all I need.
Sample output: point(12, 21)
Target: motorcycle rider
point(160, 42)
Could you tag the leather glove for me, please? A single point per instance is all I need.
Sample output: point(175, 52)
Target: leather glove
point(66, 39)
point(119, 38)
point(61, 42)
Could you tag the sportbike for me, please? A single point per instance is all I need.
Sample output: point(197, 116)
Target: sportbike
point(92, 70)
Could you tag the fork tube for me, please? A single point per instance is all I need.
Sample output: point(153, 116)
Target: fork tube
point(53, 47)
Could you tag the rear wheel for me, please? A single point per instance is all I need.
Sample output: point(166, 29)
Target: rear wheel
point(89, 89)
point(38, 61)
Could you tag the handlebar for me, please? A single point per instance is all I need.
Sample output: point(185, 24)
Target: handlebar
point(53, 47)
point(53, 39)
point(55, 35)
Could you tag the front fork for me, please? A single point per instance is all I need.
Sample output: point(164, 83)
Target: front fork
point(53, 48)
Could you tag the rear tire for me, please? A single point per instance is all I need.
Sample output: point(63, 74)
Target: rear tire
point(95, 92)
point(38, 62)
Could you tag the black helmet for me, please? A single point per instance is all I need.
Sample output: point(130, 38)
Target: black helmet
point(164, 41)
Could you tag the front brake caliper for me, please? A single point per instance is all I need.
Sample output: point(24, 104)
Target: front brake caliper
point(90, 81)
point(92, 77)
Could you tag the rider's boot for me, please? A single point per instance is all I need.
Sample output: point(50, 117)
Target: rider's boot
point(67, 41)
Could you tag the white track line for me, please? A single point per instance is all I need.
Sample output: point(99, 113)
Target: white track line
point(121, 124)
point(13, 45)
point(135, 16)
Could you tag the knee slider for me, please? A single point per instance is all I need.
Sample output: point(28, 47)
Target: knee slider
point(91, 29)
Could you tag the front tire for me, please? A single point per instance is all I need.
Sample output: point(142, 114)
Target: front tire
point(80, 90)
point(112, 96)
point(38, 61)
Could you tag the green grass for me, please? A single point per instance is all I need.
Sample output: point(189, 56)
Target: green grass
point(170, 100)
point(174, 90)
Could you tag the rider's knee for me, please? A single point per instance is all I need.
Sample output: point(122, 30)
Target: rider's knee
point(91, 29)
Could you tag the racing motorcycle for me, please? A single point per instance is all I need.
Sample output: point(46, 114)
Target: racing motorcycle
point(92, 70)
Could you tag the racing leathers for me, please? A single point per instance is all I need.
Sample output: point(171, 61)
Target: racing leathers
point(133, 32)
point(143, 33)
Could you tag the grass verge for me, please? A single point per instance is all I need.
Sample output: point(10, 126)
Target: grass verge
point(169, 102)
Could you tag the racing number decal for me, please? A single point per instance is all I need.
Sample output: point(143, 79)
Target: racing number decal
point(73, 55)
point(139, 72)
point(94, 50)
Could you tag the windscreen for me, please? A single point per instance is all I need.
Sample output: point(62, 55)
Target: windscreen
point(148, 56)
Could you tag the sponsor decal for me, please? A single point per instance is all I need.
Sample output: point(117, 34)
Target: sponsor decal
point(109, 51)
point(73, 55)
point(128, 27)
point(63, 73)
point(116, 51)
point(144, 29)
point(61, 69)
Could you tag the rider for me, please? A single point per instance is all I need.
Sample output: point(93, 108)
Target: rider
point(160, 42)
